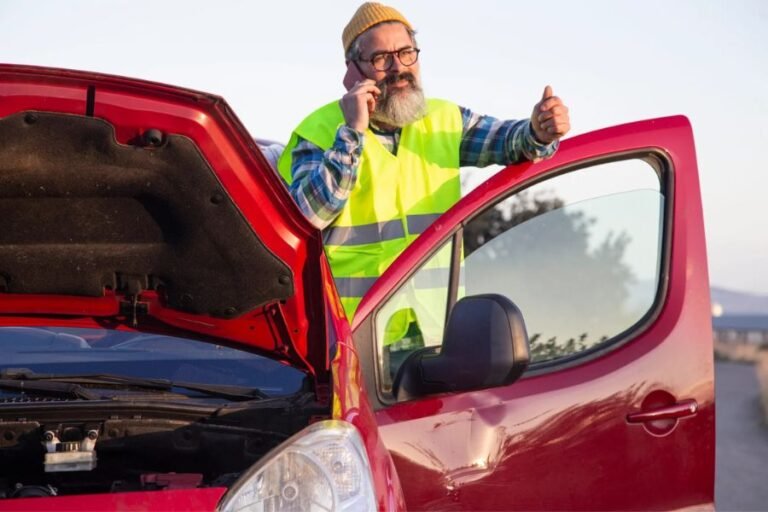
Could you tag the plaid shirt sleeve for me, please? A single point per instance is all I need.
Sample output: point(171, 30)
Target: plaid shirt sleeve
point(488, 141)
point(321, 181)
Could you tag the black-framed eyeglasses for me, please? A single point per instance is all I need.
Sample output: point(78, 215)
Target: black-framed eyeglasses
point(383, 61)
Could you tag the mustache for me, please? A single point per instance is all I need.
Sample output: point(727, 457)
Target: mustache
point(391, 79)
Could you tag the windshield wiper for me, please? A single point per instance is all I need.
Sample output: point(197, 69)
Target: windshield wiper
point(49, 388)
point(106, 379)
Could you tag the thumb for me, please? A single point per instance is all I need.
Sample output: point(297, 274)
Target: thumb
point(547, 93)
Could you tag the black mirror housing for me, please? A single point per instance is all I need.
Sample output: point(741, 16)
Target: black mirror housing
point(485, 345)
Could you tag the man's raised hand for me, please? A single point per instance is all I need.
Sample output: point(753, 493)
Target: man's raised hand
point(360, 100)
point(358, 104)
point(550, 119)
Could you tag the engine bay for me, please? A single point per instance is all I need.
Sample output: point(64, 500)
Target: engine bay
point(90, 448)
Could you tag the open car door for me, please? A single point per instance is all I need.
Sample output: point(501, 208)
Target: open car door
point(601, 248)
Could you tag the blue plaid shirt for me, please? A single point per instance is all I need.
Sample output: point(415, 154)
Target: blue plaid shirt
point(322, 181)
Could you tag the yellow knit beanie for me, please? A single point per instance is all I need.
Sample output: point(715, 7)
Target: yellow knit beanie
point(366, 16)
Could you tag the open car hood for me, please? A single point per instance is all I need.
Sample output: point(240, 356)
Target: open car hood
point(138, 206)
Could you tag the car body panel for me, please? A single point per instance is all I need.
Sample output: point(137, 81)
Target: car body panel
point(176, 500)
point(560, 438)
point(132, 107)
point(350, 401)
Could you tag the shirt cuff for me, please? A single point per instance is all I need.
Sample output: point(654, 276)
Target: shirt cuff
point(348, 140)
point(538, 150)
point(530, 135)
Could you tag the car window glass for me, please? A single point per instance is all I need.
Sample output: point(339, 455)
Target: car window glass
point(579, 254)
point(414, 317)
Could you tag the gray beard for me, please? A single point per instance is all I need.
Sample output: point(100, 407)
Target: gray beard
point(401, 108)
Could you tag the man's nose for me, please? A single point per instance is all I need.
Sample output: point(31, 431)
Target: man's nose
point(397, 66)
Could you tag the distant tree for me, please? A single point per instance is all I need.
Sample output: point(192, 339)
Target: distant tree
point(571, 297)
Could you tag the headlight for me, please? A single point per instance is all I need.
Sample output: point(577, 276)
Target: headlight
point(323, 467)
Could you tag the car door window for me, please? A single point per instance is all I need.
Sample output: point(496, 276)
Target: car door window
point(414, 317)
point(578, 253)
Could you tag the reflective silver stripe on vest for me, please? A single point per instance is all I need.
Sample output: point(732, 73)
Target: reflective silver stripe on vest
point(365, 234)
point(417, 224)
point(425, 278)
point(354, 286)
point(378, 231)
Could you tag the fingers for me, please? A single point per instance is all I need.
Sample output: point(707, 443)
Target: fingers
point(550, 119)
point(363, 82)
point(549, 103)
point(557, 131)
point(365, 86)
point(358, 104)
point(557, 110)
point(368, 91)
point(556, 126)
point(547, 93)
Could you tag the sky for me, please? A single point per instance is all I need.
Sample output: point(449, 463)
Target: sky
point(610, 61)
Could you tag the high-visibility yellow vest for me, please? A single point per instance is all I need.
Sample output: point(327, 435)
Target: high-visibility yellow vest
point(394, 198)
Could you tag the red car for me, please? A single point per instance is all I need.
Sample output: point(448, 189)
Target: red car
point(172, 339)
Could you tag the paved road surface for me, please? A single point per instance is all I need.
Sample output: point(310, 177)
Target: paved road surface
point(742, 440)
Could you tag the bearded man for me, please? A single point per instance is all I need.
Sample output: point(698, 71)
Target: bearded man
point(374, 169)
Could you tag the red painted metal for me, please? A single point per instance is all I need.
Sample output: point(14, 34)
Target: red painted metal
point(168, 501)
point(351, 403)
point(560, 440)
point(133, 106)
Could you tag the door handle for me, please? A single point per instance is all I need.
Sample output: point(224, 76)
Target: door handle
point(681, 409)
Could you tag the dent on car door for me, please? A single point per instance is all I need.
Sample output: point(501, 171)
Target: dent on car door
point(602, 250)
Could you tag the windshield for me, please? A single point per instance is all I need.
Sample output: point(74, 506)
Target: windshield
point(71, 351)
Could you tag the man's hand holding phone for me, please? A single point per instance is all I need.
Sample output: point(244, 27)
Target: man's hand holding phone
point(360, 100)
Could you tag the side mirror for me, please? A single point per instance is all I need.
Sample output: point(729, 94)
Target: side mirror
point(485, 345)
